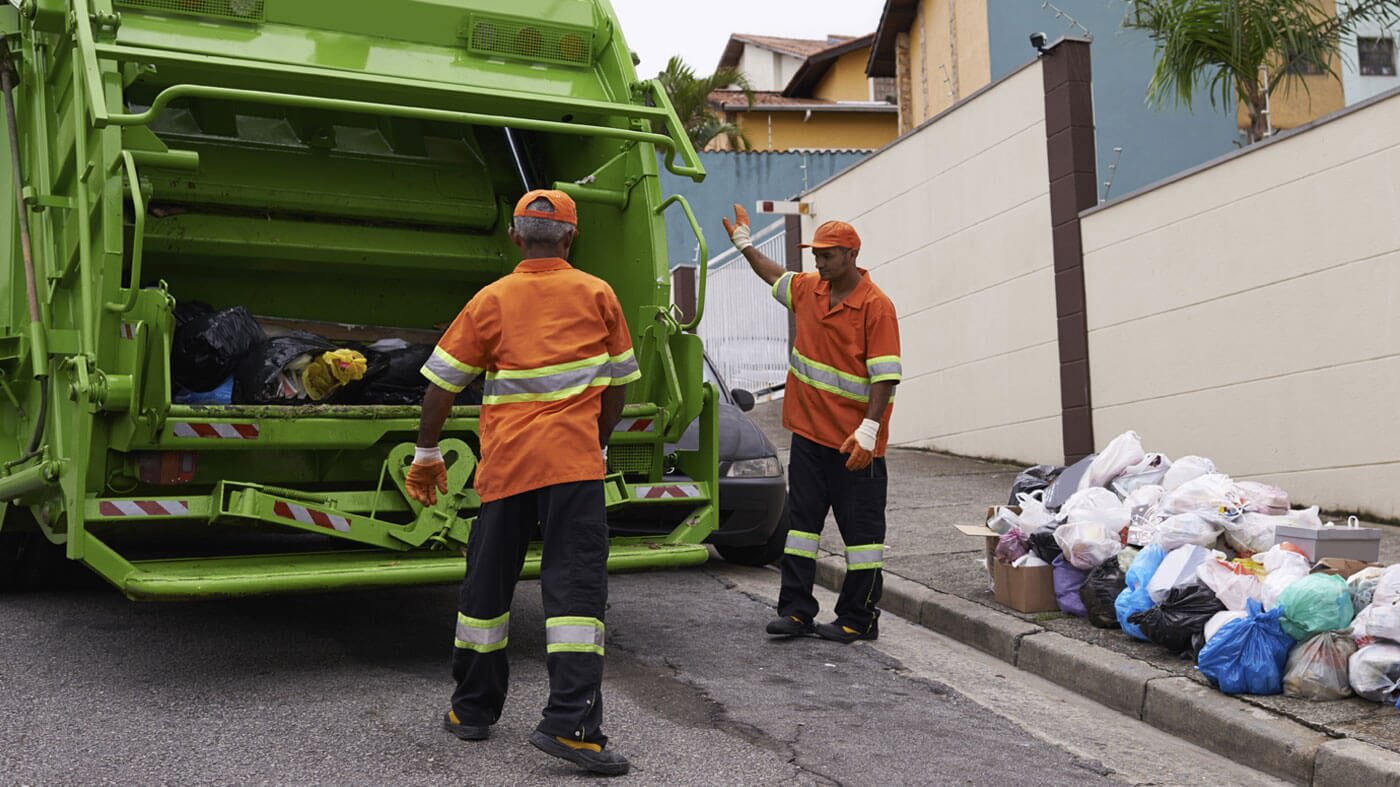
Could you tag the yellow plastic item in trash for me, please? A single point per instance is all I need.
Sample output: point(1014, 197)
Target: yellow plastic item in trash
point(330, 371)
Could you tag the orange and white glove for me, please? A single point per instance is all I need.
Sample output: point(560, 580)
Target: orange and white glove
point(427, 476)
point(861, 445)
point(739, 230)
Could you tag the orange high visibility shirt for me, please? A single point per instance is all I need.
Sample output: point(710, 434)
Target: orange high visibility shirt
point(549, 338)
point(837, 355)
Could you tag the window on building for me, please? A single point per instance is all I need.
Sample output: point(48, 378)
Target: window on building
point(1376, 56)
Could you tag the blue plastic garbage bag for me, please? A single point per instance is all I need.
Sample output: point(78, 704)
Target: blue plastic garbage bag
point(222, 394)
point(1134, 597)
point(1248, 656)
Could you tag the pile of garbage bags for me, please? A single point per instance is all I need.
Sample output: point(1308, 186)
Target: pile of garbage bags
point(226, 357)
point(1181, 555)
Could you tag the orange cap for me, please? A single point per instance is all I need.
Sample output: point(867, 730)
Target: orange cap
point(564, 208)
point(833, 234)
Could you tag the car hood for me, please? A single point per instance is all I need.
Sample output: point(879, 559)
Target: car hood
point(739, 437)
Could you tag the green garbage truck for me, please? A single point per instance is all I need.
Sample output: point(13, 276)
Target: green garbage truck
point(338, 169)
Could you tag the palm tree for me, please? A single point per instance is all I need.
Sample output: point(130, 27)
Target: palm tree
point(1245, 48)
point(690, 95)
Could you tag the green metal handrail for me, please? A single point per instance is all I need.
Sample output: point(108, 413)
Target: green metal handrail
point(693, 169)
point(138, 237)
point(704, 256)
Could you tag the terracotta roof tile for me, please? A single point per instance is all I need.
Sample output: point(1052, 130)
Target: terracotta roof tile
point(799, 47)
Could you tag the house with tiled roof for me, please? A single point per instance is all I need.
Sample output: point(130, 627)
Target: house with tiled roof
point(808, 94)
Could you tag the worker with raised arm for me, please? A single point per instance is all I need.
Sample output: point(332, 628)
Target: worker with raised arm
point(840, 385)
point(556, 354)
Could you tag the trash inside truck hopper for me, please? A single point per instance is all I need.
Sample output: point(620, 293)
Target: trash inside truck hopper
point(319, 163)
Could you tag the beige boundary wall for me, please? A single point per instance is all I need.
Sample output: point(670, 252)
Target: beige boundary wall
point(955, 225)
point(1248, 312)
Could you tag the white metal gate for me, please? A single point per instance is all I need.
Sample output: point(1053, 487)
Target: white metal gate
point(745, 330)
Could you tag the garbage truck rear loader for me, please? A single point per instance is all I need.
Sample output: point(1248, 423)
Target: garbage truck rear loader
point(346, 169)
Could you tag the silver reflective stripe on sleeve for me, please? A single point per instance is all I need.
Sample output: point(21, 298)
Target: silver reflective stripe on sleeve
point(574, 635)
point(624, 368)
point(865, 556)
point(802, 544)
point(886, 367)
point(482, 635)
point(782, 289)
point(448, 372)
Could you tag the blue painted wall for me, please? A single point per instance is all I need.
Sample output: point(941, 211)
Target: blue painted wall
point(1156, 143)
point(743, 178)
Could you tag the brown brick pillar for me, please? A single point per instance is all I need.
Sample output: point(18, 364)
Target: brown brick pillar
point(1069, 139)
point(683, 291)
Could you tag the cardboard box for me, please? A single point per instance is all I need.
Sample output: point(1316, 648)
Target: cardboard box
point(1022, 589)
point(1341, 567)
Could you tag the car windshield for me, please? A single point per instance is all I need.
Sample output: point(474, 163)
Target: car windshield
point(711, 376)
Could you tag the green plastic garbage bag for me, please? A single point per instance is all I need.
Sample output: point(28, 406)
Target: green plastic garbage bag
point(1314, 604)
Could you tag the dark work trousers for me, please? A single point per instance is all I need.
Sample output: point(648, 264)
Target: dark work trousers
point(574, 583)
point(818, 481)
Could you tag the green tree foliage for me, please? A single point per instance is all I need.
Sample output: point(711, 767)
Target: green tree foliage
point(1245, 49)
point(690, 95)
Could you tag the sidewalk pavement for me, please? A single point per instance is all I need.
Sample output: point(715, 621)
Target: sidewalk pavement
point(934, 575)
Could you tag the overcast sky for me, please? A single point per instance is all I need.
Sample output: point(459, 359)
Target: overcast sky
point(658, 29)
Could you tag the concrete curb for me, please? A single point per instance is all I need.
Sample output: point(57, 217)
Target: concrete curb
point(1193, 712)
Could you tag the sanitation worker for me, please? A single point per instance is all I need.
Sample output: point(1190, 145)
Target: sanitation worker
point(556, 354)
point(840, 384)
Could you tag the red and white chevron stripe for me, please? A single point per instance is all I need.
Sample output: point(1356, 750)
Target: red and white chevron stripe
point(128, 330)
point(199, 429)
point(635, 425)
point(307, 516)
point(143, 508)
point(661, 492)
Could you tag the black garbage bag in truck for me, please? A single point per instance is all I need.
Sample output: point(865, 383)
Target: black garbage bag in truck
point(262, 377)
point(209, 345)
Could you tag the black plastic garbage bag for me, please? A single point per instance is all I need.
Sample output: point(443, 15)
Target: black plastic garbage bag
point(1100, 591)
point(1043, 544)
point(208, 347)
point(186, 311)
point(392, 375)
point(261, 379)
point(1180, 617)
point(1032, 479)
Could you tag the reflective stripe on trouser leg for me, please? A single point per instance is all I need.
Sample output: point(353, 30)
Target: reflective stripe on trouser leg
point(802, 544)
point(482, 635)
point(865, 556)
point(574, 635)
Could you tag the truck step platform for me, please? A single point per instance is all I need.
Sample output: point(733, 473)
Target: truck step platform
point(247, 575)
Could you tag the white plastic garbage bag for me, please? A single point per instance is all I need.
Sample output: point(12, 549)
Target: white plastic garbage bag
point(1220, 619)
point(1283, 567)
point(1087, 545)
point(1375, 672)
point(1033, 514)
point(1148, 471)
point(1098, 506)
point(1185, 469)
point(1212, 496)
point(1122, 452)
point(1362, 586)
point(1141, 500)
point(1388, 588)
point(1263, 498)
point(1182, 529)
point(1028, 560)
point(1252, 533)
point(1384, 623)
point(1178, 569)
point(1233, 588)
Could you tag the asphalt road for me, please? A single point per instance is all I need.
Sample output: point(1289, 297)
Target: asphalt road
point(349, 689)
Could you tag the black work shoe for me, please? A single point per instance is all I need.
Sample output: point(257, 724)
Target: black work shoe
point(608, 763)
point(846, 635)
point(790, 626)
point(467, 732)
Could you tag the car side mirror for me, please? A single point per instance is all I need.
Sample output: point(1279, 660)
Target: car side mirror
point(742, 399)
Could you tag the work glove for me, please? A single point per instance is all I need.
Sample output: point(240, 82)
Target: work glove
point(427, 476)
point(739, 230)
point(861, 445)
